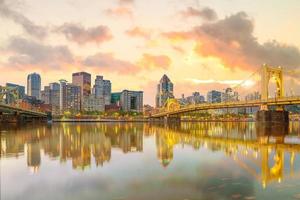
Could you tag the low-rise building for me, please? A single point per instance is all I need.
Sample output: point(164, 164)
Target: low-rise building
point(131, 101)
point(93, 103)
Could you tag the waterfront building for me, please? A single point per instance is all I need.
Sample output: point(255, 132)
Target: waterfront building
point(131, 101)
point(115, 98)
point(50, 95)
point(54, 97)
point(164, 91)
point(112, 108)
point(102, 89)
point(34, 85)
point(20, 89)
point(214, 96)
point(83, 80)
point(93, 103)
point(62, 95)
point(70, 97)
point(73, 98)
point(45, 95)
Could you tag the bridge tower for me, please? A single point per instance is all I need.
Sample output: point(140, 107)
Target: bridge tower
point(266, 115)
point(267, 74)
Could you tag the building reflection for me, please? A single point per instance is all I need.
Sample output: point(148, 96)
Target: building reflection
point(33, 155)
point(265, 152)
point(259, 149)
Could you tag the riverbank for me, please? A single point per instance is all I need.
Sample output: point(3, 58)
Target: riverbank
point(143, 120)
point(98, 120)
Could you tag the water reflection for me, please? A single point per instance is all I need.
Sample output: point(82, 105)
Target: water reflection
point(264, 152)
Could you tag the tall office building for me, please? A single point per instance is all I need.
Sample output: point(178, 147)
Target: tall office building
point(62, 95)
point(102, 89)
point(45, 95)
point(83, 80)
point(34, 85)
point(70, 97)
point(50, 95)
point(131, 101)
point(54, 96)
point(164, 91)
point(20, 89)
point(73, 98)
point(214, 96)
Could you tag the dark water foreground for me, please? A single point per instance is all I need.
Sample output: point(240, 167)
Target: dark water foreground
point(136, 161)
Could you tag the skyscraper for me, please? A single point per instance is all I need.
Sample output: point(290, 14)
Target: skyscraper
point(102, 89)
point(50, 95)
point(83, 80)
point(62, 95)
point(164, 91)
point(34, 85)
point(70, 96)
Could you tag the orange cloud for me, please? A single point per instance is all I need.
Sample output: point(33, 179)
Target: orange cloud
point(139, 32)
point(155, 61)
point(231, 40)
point(178, 36)
point(126, 2)
point(120, 11)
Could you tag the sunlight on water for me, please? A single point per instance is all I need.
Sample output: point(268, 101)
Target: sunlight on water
point(150, 161)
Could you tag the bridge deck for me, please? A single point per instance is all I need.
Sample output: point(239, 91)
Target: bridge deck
point(236, 104)
point(22, 111)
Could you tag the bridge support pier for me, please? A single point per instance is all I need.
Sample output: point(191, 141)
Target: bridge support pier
point(272, 116)
point(172, 119)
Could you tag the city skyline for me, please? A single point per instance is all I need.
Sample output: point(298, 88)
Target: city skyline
point(133, 52)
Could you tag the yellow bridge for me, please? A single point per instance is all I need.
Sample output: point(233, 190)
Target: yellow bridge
point(174, 109)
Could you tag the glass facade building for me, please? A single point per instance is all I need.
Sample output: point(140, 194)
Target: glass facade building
point(34, 85)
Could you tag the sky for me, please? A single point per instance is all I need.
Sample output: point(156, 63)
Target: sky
point(200, 44)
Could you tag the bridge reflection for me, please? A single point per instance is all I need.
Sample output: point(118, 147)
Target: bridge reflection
point(264, 152)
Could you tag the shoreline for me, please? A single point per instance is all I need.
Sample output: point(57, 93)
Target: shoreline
point(143, 120)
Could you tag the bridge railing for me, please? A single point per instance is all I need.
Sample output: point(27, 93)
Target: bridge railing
point(256, 102)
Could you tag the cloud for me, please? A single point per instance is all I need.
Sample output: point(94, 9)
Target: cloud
point(207, 14)
point(177, 36)
point(178, 49)
point(139, 32)
point(130, 2)
point(81, 35)
point(231, 83)
point(24, 53)
point(30, 27)
point(232, 41)
point(149, 61)
point(107, 61)
point(120, 11)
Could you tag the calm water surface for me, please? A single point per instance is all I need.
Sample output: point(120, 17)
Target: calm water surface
point(150, 161)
